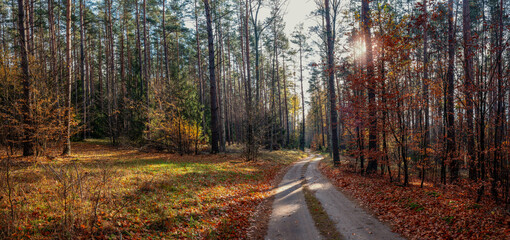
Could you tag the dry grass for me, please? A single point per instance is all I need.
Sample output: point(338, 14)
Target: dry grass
point(107, 192)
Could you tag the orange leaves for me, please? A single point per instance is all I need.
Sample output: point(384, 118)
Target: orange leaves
point(149, 195)
point(448, 212)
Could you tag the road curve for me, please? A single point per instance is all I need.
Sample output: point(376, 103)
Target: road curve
point(290, 218)
point(351, 220)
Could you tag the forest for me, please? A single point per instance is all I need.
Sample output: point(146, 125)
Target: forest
point(175, 119)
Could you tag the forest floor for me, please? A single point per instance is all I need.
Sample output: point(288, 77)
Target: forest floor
point(108, 192)
point(431, 212)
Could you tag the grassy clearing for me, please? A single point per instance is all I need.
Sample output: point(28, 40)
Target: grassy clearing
point(106, 192)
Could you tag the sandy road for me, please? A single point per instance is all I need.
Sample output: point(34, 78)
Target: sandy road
point(291, 219)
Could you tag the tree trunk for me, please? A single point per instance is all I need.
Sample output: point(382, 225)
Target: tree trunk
point(113, 85)
point(200, 78)
point(499, 128)
point(165, 46)
point(250, 141)
point(450, 114)
point(82, 69)
point(139, 49)
point(212, 80)
point(67, 146)
point(331, 88)
point(302, 137)
point(220, 79)
point(372, 130)
point(53, 50)
point(146, 68)
point(30, 27)
point(285, 102)
point(468, 76)
point(28, 147)
point(425, 92)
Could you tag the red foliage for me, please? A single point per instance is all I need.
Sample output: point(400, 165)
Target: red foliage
point(448, 212)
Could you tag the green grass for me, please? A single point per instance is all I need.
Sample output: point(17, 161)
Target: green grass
point(139, 195)
point(323, 222)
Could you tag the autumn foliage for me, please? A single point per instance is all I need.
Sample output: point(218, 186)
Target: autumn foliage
point(431, 212)
point(104, 191)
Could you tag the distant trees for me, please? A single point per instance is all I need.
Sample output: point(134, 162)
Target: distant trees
point(299, 39)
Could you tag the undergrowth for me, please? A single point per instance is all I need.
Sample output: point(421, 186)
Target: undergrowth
point(106, 192)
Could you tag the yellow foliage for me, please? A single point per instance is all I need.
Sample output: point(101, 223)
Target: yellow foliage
point(46, 114)
point(174, 131)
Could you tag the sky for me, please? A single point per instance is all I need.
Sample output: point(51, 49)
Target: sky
point(296, 12)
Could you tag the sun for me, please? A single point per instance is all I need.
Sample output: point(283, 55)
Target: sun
point(359, 48)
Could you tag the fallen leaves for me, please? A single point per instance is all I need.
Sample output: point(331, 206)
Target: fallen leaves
point(448, 212)
point(147, 195)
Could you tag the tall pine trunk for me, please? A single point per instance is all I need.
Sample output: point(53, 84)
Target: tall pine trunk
point(331, 88)
point(302, 137)
point(251, 150)
point(82, 70)
point(146, 67)
point(425, 92)
point(285, 103)
point(500, 112)
point(28, 147)
point(165, 45)
point(67, 146)
point(139, 50)
point(212, 80)
point(468, 81)
point(450, 114)
point(372, 128)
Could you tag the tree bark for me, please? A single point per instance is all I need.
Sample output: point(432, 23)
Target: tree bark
point(450, 114)
point(212, 80)
point(285, 102)
point(82, 69)
point(250, 141)
point(425, 92)
point(372, 129)
point(200, 78)
point(67, 146)
point(139, 49)
point(331, 88)
point(500, 112)
point(303, 125)
point(146, 67)
point(468, 81)
point(165, 46)
point(28, 146)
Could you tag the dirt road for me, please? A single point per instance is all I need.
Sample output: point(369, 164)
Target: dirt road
point(291, 219)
